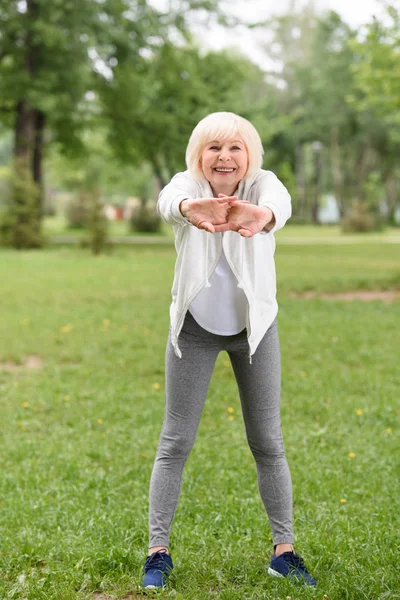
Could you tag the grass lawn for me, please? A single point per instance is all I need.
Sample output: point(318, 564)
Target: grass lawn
point(58, 226)
point(79, 432)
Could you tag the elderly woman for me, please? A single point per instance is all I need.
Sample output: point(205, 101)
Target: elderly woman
point(224, 211)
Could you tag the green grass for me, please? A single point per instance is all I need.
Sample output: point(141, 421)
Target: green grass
point(58, 226)
point(332, 231)
point(79, 435)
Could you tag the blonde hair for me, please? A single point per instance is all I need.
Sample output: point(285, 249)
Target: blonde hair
point(223, 126)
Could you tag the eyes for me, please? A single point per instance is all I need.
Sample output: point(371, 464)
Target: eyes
point(214, 147)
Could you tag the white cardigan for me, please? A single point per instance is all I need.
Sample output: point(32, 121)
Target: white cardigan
point(251, 259)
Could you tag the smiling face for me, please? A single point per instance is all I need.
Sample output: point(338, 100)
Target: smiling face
point(224, 164)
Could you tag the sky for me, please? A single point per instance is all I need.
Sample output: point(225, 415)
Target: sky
point(354, 12)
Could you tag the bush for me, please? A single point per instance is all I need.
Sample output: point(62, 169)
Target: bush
point(361, 219)
point(97, 224)
point(144, 219)
point(5, 180)
point(77, 211)
point(20, 225)
point(49, 205)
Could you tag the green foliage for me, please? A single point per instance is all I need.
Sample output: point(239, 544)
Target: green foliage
point(321, 88)
point(76, 211)
point(121, 88)
point(361, 219)
point(20, 225)
point(173, 89)
point(5, 177)
point(97, 223)
point(377, 68)
point(144, 219)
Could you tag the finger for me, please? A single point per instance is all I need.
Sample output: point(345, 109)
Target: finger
point(207, 227)
point(222, 227)
point(245, 233)
point(222, 199)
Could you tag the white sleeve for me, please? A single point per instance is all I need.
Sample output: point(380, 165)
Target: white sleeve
point(273, 194)
point(180, 188)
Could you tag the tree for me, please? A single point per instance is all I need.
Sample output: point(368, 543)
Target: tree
point(333, 143)
point(49, 52)
point(377, 94)
point(153, 109)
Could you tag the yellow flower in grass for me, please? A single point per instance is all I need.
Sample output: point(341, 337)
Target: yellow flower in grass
point(303, 374)
point(388, 430)
point(24, 404)
point(359, 412)
point(351, 455)
point(231, 418)
point(231, 410)
point(106, 322)
point(100, 421)
point(343, 500)
point(66, 328)
point(66, 398)
point(156, 386)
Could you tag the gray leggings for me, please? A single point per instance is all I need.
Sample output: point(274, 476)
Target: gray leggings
point(187, 381)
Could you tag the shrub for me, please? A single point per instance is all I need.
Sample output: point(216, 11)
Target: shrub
point(144, 219)
point(361, 219)
point(77, 211)
point(97, 224)
point(20, 225)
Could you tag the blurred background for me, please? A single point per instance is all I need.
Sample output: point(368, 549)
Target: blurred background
point(98, 99)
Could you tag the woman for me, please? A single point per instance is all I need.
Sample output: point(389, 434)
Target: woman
point(224, 210)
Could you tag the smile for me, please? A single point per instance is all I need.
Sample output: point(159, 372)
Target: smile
point(221, 170)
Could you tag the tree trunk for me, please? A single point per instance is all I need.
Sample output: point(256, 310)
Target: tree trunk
point(29, 121)
point(301, 186)
point(24, 140)
point(317, 186)
point(157, 172)
point(40, 122)
point(337, 174)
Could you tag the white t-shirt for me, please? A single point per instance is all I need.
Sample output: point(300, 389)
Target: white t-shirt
point(221, 308)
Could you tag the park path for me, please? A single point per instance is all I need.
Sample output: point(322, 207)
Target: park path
point(281, 240)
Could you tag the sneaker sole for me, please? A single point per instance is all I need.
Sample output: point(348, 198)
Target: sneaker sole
point(300, 580)
point(274, 573)
point(154, 587)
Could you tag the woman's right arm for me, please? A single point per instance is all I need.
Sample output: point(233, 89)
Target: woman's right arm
point(180, 188)
point(179, 204)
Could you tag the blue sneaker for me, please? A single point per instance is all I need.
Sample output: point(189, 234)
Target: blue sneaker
point(156, 570)
point(291, 565)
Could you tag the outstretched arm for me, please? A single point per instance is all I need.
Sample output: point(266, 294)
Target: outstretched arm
point(272, 194)
point(248, 219)
point(208, 213)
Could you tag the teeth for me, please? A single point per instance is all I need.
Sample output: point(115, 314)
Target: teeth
point(225, 170)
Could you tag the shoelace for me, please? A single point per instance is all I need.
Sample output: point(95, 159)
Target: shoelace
point(294, 559)
point(156, 561)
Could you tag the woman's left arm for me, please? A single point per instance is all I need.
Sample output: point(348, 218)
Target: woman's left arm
point(272, 194)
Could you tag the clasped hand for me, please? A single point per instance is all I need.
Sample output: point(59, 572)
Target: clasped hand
point(226, 213)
